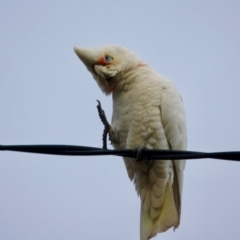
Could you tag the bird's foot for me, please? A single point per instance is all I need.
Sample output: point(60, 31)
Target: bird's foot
point(107, 127)
point(140, 154)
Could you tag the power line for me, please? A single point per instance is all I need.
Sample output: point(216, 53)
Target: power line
point(150, 154)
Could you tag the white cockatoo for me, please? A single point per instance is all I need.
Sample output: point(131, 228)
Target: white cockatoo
point(147, 111)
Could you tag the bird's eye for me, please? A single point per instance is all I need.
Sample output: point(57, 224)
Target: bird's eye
point(108, 58)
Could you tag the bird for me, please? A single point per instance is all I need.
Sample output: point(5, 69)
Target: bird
point(148, 112)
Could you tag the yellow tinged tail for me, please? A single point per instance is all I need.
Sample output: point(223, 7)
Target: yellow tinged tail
point(168, 216)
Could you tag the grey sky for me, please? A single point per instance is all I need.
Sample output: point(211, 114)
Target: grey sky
point(48, 97)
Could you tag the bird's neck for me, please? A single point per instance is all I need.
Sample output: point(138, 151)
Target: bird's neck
point(126, 81)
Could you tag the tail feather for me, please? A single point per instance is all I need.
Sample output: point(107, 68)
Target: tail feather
point(168, 216)
point(146, 224)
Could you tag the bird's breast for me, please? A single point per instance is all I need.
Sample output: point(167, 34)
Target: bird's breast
point(136, 116)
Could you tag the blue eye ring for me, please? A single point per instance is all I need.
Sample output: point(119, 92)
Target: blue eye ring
point(108, 58)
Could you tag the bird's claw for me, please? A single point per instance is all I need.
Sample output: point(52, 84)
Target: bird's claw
point(107, 127)
point(140, 155)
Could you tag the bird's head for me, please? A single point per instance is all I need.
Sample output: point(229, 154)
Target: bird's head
point(108, 64)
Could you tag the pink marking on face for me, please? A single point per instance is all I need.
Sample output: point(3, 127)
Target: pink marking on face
point(102, 61)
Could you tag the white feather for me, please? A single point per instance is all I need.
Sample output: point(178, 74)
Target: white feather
point(147, 111)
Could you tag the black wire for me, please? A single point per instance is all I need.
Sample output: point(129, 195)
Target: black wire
point(152, 154)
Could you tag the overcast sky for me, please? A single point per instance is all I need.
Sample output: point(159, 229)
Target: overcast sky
point(48, 97)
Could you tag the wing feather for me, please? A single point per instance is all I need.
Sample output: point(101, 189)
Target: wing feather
point(174, 123)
